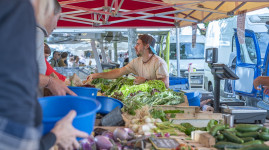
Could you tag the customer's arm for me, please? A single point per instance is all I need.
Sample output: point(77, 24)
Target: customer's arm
point(56, 86)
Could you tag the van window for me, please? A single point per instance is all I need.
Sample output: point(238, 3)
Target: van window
point(187, 52)
point(263, 42)
point(248, 52)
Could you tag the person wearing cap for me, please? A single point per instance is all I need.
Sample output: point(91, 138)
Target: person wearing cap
point(147, 65)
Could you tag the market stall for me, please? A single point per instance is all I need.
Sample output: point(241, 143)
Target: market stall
point(151, 115)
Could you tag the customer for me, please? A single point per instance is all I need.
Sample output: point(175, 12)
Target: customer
point(45, 28)
point(50, 70)
point(63, 60)
point(47, 52)
point(55, 59)
point(20, 112)
point(76, 61)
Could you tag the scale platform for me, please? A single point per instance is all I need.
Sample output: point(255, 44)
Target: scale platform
point(231, 102)
point(245, 114)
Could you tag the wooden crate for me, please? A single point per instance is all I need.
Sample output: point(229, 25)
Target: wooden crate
point(186, 109)
point(199, 115)
point(203, 138)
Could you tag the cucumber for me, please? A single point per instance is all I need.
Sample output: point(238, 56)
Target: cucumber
point(256, 142)
point(230, 129)
point(264, 136)
point(264, 129)
point(213, 131)
point(220, 137)
point(231, 137)
point(247, 127)
point(248, 139)
point(211, 124)
point(256, 147)
point(222, 145)
point(248, 134)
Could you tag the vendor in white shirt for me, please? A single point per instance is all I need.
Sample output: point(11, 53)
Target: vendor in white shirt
point(147, 65)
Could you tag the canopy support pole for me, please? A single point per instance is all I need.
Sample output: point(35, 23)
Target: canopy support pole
point(131, 43)
point(103, 51)
point(96, 56)
point(115, 45)
point(178, 51)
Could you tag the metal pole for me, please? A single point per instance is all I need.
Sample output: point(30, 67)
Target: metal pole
point(115, 52)
point(178, 51)
point(103, 51)
point(216, 94)
point(96, 56)
point(131, 43)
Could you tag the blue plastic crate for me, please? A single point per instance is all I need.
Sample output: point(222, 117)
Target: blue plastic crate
point(177, 80)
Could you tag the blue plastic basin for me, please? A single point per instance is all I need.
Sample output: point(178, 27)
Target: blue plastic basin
point(193, 98)
point(108, 104)
point(84, 91)
point(56, 107)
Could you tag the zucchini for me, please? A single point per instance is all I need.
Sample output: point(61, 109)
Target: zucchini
point(248, 134)
point(264, 129)
point(256, 147)
point(222, 145)
point(247, 127)
point(248, 139)
point(213, 131)
point(256, 142)
point(231, 137)
point(264, 136)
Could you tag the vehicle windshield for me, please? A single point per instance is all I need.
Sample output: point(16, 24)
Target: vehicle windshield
point(187, 52)
point(262, 38)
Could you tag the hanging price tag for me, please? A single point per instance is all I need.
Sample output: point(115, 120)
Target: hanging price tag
point(194, 29)
point(241, 26)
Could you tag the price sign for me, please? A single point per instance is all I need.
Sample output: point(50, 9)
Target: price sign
point(164, 143)
point(241, 26)
point(194, 29)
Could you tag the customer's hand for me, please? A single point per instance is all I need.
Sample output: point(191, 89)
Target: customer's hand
point(266, 90)
point(58, 87)
point(139, 80)
point(256, 83)
point(66, 134)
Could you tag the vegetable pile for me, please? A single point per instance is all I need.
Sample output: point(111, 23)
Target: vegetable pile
point(134, 97)
point(106, 140)
point(242, 137)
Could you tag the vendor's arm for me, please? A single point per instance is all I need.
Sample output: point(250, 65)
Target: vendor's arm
point(56, 86)
point(113, 74)
point(165, 81)
point(261, 80)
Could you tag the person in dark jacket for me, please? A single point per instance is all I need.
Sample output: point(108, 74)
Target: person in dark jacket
point(20, 112)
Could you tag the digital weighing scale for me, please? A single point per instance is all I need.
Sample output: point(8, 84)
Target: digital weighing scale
point(245, 114)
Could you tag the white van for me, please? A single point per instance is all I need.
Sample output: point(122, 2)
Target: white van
point(187, 53)
point(220, 34)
